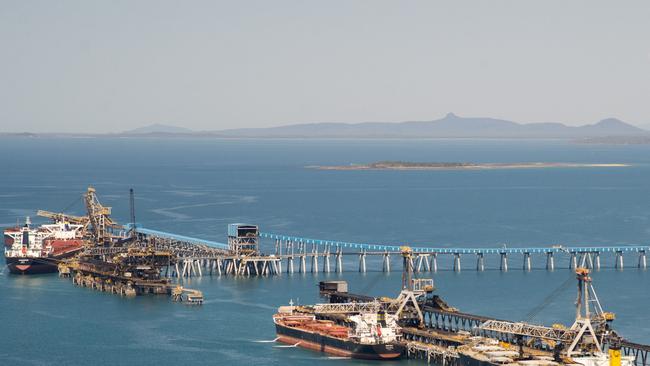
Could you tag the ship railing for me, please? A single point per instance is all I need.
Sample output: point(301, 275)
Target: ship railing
point(528, 330)
point(347, 308)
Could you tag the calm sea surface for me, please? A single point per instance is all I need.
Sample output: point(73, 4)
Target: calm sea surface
point(197, 187)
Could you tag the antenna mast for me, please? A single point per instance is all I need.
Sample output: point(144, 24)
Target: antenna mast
point(132, 206)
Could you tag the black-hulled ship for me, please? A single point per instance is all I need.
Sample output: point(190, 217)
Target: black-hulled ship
point(38, 250)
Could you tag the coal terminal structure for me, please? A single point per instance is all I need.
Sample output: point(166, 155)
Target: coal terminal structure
point(131, 260)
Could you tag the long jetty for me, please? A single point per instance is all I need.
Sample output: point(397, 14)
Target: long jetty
point(241, 255)
point(441, 326)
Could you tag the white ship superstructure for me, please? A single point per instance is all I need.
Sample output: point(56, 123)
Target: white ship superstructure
point(26, 242)
point(36, 250)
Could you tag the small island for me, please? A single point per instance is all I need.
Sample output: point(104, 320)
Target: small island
point(616, 140)
point(406, 165)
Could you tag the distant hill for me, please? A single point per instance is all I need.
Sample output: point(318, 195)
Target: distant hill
point(451, 126)
point(158, 128)
point(616, 140)
point(610, 130)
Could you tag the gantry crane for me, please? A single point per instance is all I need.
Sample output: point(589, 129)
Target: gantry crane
point(412, 289)
point(587, 333)
point(590, 319)
point(101, 224)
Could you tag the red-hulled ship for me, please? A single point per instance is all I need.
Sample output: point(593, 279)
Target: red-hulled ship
point(37, 250)
point(369, 335)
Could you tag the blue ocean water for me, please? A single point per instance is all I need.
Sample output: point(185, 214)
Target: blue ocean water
point(196, 187)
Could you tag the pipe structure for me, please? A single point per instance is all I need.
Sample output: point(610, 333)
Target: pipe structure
point(504, 262)
point(480, 262)
point(434, 262)
point(550, 261)
point(527, 262)
point(457, 262)
point(642, 260)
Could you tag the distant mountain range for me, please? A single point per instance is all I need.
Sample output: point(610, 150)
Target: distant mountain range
point(451, 126)
point(158, 128)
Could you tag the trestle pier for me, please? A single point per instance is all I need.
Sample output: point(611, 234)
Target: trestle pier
point(224, 265)
point(242, 255)
point(426, 259)
point(104, 277)
point(432, 353)
point(445, 327)
point(453, 322)
point(641, 352)
point(328, 262)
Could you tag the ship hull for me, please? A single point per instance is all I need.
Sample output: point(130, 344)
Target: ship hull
point(24, 266)
point(27, 265)
point(338, 347)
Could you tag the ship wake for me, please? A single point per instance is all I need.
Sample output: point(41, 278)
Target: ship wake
point(288, 346)
point(267, 341)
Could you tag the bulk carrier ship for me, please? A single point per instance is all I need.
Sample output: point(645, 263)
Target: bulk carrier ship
point(450, 337)
point(38, 250)
point(367, 333)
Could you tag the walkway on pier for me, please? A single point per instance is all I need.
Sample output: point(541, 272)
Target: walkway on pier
point(222, 258)
point(453, 250)
point(426, 258)
point(197, 256)
point(180, 238)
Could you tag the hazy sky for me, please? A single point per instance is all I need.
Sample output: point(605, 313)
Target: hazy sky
point(94, 66)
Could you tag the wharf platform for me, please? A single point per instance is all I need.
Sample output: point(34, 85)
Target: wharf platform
point(449, 328)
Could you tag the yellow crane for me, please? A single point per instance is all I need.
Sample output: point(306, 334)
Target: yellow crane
point(62, 217)
point(101, 223)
